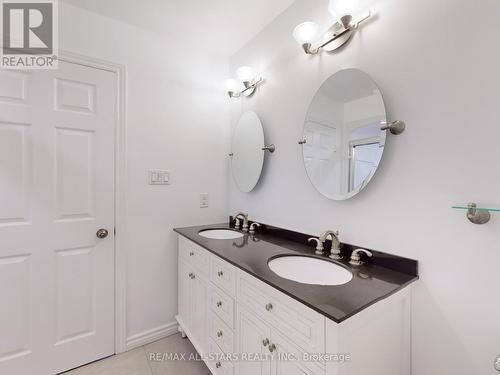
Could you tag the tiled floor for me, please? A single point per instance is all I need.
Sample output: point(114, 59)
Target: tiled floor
point(137, 361)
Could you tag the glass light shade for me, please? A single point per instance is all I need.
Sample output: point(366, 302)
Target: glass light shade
point(245, 74)
point(306, 32)
point(340, 8)
point(231, 85)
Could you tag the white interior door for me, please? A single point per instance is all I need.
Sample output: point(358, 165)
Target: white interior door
point(57, 132)
point(322, 156)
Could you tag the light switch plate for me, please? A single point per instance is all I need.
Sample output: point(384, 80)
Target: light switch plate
point(159, 177)
point(204, 200)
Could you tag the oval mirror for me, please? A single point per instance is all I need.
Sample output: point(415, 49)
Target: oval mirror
point(342, 141)
point(247, 156)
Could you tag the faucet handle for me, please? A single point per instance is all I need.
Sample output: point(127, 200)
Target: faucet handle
point(253, 226)
point(237, 223)
point(356, 257)
point(319, 245)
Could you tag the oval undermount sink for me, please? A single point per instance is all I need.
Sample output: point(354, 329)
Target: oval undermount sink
point(220, 234)
point(308, 270)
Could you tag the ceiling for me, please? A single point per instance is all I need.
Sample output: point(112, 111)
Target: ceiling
point(223, 26)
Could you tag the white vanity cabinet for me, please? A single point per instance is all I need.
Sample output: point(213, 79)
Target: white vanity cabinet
point(225, 310)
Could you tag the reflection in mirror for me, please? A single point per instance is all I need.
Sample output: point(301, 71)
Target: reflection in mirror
point(343, 141)
point(247, 156)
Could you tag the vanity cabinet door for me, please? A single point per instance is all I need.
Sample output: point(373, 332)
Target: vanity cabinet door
point(199, 310)
point(289, 360)
point(185, 284)
point(253, 341)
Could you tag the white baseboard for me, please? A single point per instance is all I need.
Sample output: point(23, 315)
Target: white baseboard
point(152, 335)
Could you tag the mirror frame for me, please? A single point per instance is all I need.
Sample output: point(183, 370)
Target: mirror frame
point(362, 186)
point(261, 153)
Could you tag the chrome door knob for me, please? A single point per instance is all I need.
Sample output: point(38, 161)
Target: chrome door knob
point(102, 233)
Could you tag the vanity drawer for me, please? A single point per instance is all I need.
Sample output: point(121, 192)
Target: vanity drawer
point(222, 305)
point(223, 275)
point(222, 335)
point(194, 255)
point(218, 365)
point(304, 326)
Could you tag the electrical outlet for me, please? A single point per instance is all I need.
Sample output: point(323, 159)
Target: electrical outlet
point(204, 200)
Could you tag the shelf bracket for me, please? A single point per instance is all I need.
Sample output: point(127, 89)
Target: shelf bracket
point(477, 216)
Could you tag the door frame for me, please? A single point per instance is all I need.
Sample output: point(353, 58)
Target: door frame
point(120, 166)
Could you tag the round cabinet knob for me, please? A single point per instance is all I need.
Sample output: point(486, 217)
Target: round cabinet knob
point(265, 342)
point(102, 233)
point(272, 348)
point(269, 306)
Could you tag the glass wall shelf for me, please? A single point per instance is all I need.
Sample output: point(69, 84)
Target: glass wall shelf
point(464, 207)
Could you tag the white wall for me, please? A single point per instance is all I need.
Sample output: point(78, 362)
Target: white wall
point(177, 119)
point(437, 64)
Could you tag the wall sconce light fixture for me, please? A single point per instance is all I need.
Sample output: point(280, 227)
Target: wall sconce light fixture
point(246, 75)
point(308, 36)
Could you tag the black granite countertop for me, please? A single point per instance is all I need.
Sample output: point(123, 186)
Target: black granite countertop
point(382, 275)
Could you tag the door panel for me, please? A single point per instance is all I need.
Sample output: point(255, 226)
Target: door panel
point(251, 335)
point(16, 166)
point(13, 86)
point(15, 291)
point(289, 359)
point(76, 291)
point(184, 293)
point(199, 304)
point(57, 134)
point(75, 96)
point(75, 173)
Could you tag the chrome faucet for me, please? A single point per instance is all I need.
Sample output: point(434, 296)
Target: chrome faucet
point(245, 221)
point(335, 252)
